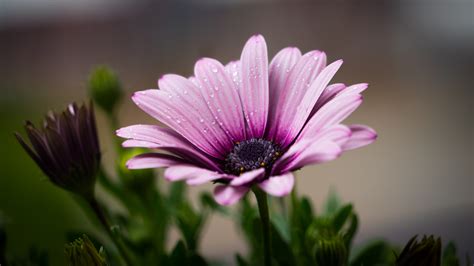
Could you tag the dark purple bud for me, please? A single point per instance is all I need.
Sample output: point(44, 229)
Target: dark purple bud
point(66, 148)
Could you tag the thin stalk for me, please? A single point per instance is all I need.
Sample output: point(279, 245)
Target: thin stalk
point(265, 218)
point(127, 257)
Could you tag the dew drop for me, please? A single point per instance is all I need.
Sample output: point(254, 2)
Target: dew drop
point(214, 70)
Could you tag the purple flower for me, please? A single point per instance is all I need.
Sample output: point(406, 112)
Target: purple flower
point(66, 148)
point(249, 122)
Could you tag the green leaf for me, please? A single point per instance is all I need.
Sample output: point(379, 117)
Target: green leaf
point(341, 217)
point(207, 201)
point(332, 204)
point(306, 212)
point(377, 252)
point(281, 225)
point(281, 249)
point(240, 260)
point(449, 255)
point(301, 218)
point(179, 255)
point(351, 230)
point(246, 215)
point(177, 194)
point(189, 224)
point(197, 260)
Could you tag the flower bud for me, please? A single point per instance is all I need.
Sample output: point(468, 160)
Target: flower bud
point(66, 148)
point(105, 88)
point(82, 252)
point(331, 251)
point(425, 252)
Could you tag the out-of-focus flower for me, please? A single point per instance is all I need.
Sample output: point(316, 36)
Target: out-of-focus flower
point(66, 148)
point(425, 252)
point(105, 88)
point(249, 122)
point(82, 252)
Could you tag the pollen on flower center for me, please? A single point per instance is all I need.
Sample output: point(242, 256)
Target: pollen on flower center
point(251, 154)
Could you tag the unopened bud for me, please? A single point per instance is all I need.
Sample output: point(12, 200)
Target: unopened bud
point(105, 88)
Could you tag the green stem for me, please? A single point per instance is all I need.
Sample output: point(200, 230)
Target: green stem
point(265, 218)
point(103, 220)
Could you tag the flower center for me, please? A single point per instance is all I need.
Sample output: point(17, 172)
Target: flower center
point(251, 154)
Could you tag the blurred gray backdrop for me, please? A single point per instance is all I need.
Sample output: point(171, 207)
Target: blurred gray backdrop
point(417, 56)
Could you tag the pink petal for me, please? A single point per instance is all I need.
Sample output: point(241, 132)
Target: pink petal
point(278, 186)
point(319, 152)
point(223, 99)
point(330, 114)
point(309, 100)
point(328, 94)
point(234, 70)
point(361, 136)
point(297, 83)
point(186, 172)
point(156, 137)
point(227, 195)
point(338, 134)
point(189, 102)
point(279, 71)
point(153, 160)
point(203, 179)
point(132, 143)
point(353, 89)
point(247, 177)
point(184, 117)
point(254, 91)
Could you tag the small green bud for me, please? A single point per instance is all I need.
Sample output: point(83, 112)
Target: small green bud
point(331, 251)
point(425, 252)
point(105, 88)
point(81, 252)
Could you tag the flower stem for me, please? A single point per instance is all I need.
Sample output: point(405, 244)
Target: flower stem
point(265, 218)
point(103, 220)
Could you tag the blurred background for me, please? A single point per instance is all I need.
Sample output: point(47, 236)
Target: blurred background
point(417, 56)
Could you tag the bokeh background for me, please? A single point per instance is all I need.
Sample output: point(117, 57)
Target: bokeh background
point(417, 56)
